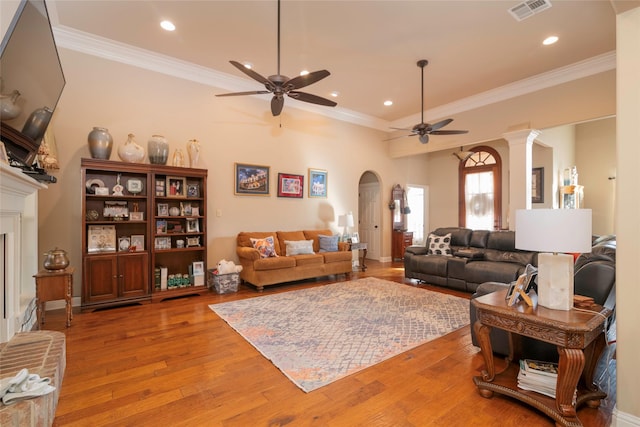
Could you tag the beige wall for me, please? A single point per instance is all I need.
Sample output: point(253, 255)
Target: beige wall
point(596, 164)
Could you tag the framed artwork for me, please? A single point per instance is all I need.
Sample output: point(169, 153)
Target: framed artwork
point(193, 190)
point(161, 226)
point(198, 267)
point(163, 209)
point(290, 185)
point(136, 216)
point(101, 238)
point(355, 237)
point(160, 187)
point(137, 242)
point(251, 179)
point(176, 186)
point(193, 225)
point(537, 185)
point(185, 208)
point(317, 183)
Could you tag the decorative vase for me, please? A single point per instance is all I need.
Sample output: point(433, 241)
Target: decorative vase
point(100, 143)
point(56, 259)
point(178, 158)
point(36, 124)
point(158, 150)
point(8, 107)
point(193, 149)
point(130, 151)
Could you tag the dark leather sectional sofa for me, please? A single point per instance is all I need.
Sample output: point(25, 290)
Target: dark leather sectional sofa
point(478, 256)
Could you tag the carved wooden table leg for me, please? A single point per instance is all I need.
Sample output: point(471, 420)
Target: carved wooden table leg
point(592, 356)
point(570, 368)
point(482, 333)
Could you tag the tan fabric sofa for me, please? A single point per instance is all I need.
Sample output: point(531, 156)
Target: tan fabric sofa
point(262, 272)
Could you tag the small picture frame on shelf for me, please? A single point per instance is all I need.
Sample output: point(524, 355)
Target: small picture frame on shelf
point(193, 225)
point(136, 216)
point(162, 243)
point(193, 241)
point(160, 187)
point(116, 210)
point(124, 243)
point(195, 210)
point(176, 186)
point(101, 191)
point(185, 208)
point(137, 242)
point(161, 226)
point(193, 190)
point(101, 238)
point(163, 209)
point(198, 268)
point(355, 238)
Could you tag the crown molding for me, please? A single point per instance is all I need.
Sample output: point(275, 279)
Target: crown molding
point(91, 44)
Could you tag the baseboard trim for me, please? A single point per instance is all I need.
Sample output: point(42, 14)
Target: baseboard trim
point(60, 304)
point(622, 419)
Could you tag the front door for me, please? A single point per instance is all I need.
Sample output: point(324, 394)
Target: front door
point(369, 219)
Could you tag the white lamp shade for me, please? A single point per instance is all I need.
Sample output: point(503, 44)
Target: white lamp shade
point(554, 230)
point(350, 222)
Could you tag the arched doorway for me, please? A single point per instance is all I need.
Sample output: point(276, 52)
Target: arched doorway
point(370, 213)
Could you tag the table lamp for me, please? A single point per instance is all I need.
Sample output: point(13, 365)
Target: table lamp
point(556, 234)
point(345, 221)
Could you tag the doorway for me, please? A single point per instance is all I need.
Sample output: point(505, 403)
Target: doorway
point(369, 214)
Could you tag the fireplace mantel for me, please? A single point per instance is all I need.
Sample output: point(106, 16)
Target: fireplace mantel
point(18, 250)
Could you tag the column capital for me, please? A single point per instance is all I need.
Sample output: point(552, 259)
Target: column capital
point(520, 136)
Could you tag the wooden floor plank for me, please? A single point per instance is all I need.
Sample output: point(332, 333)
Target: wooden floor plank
point(176, 363)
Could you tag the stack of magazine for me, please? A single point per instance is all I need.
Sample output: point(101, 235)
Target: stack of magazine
point(538, 376)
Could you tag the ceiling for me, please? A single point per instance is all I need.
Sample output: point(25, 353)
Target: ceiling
point(370, 47)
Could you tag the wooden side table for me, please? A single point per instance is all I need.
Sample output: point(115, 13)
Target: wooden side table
point(360, 247)
point(54, 285)
point(579, 336)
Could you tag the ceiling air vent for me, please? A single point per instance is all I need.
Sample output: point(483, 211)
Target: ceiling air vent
point(529, 8)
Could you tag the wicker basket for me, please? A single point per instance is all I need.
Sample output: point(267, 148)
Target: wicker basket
point(223, 283)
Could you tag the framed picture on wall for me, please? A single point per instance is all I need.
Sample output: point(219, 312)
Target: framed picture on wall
point(251, 179)
point(317, 183)
point(537, 185)
point(290, 185)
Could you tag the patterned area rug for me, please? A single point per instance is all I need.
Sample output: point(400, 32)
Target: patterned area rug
point(319, 335)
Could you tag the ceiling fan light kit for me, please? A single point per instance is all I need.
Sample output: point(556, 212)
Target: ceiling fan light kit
point(422, 129)
point(280, 85)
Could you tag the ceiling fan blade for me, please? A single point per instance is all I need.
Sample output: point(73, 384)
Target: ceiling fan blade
point(408, 130)
point(251, 73)
point(314, 99)
point(440, 124)
point(448, 132)
point(277, 102)
point(302, 81)
point(398, 137)
point(252, 92)
point(424, 138)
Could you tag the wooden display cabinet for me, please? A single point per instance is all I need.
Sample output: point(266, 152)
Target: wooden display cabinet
point(400, 241)
point(119, 230)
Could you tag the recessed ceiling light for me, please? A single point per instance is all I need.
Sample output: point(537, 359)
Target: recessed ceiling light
point(550, 40)
point(168, 25)
point(388, 103)
point(304, 72)
point(335, 93)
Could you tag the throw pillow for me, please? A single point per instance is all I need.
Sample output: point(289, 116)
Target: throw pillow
point(440, 245)
point(328, 243)
point(265, 247)
point(299, 247)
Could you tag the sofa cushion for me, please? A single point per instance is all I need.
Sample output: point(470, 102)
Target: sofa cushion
point(339, 256)
point(459, 236)
point(243, 239)
point(502, 240)
point(290, 235)
point(298, 247)
point(313, 235)
point(439, 245)
point(327, 243)
point(309, 259)
point(274, 263)
point(479, 238)
point(265, 246)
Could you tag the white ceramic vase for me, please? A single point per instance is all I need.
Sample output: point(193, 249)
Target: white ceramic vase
point(193, 149)
point(178, 158)
point(130, 151)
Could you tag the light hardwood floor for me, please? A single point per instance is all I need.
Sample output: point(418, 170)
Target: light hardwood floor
point(175, 363)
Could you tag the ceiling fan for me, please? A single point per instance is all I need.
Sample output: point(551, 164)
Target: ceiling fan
point(281, 85)
point(425, 129)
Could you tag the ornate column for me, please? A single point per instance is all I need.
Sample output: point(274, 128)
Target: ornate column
point(520, 162)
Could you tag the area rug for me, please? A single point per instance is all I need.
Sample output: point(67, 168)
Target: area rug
point(316, 336)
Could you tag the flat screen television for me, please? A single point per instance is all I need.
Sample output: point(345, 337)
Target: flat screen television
point(30, 65)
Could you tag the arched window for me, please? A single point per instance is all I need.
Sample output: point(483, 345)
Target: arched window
point(480, 190)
